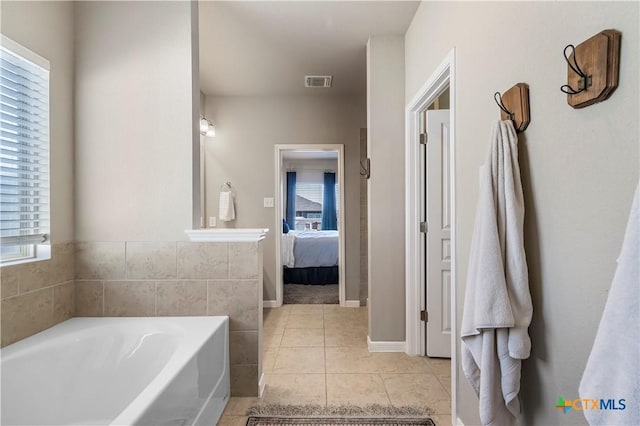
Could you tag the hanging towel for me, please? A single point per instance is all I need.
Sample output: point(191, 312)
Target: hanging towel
point(497, 306)
point(613, 368)
point(226, 212)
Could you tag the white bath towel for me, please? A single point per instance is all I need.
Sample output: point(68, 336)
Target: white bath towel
point(497, 306)
point(226, 211)
point(286, 244)
point(613, 368)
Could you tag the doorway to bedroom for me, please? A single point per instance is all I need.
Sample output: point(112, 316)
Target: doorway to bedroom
point(310, 224)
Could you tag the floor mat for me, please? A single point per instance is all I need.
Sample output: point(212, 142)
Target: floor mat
point(281, 421)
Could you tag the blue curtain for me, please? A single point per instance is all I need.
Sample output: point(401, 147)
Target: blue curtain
point(291, 200)
point(329, 215)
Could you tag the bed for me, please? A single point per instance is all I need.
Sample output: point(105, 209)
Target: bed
point(310, 257)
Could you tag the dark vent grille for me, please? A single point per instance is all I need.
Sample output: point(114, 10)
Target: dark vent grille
point(317, 81)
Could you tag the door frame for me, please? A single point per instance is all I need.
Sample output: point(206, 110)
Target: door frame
point(279, 197)
point(443, 76)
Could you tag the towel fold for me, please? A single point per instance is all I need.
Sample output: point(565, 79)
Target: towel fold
point(497, 309)
point(613, 367)
point(226, 211)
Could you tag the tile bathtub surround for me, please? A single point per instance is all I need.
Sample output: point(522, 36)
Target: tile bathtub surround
point(37, 295)
point(180, 279)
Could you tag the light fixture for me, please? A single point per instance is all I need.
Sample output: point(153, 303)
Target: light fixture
point(206, 127)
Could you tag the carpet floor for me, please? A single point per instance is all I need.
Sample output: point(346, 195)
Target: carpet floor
point(311, 294)
point(279, 421)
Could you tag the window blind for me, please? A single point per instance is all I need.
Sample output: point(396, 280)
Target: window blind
point(24, 147)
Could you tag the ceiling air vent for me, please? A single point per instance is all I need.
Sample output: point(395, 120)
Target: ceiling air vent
point(317, 80)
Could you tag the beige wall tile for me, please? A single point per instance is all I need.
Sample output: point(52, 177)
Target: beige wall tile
point(35, 275)
point(236, 298)
point(184, 298)
point(129, 298)
point(243, 260)
point(25, 315)
point(100, 261)
point(62, 268)
point(89, 300)
point(151, 260)
point(244, 380)
point(63, 302)
point(243, 347)
point(9, 281)
point(203, 260)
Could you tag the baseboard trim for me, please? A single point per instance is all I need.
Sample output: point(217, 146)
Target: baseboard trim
point(269, 303)
point(261, 385)
point(386, 346)
point(351, 303)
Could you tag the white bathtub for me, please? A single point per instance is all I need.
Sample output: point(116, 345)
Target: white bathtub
point(119, 371)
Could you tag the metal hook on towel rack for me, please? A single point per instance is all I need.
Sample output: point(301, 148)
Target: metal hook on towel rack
point(498, 98)
point(514, 106)
point(585, 80)
point(225, 187)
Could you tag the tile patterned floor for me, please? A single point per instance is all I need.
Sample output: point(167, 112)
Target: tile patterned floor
point(317, 354)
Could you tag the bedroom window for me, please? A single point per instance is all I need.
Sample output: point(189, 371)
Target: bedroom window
point(309, 197)
point(24, 153)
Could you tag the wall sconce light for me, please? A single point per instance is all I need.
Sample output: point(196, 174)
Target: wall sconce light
point(206, 127)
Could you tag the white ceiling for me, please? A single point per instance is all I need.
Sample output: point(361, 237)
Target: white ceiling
point(257, 48)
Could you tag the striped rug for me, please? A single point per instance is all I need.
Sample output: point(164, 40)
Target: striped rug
point(282, 421)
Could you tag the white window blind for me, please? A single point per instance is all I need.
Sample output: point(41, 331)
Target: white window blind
point(24, 150)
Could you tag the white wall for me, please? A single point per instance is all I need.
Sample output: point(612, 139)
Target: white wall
point(46, 28)
point(385, 145)
point(134, 120)
point(579, 168)
point(243, 151)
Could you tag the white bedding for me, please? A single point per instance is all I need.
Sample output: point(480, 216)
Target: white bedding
point(309, 249)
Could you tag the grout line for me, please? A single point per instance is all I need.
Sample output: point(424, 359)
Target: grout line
point(385, 389)
point(103, 297)
point(324, 340)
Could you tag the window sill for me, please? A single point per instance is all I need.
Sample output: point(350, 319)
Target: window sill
point(43, 252)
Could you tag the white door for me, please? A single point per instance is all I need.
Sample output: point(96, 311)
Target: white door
point(438, 236)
